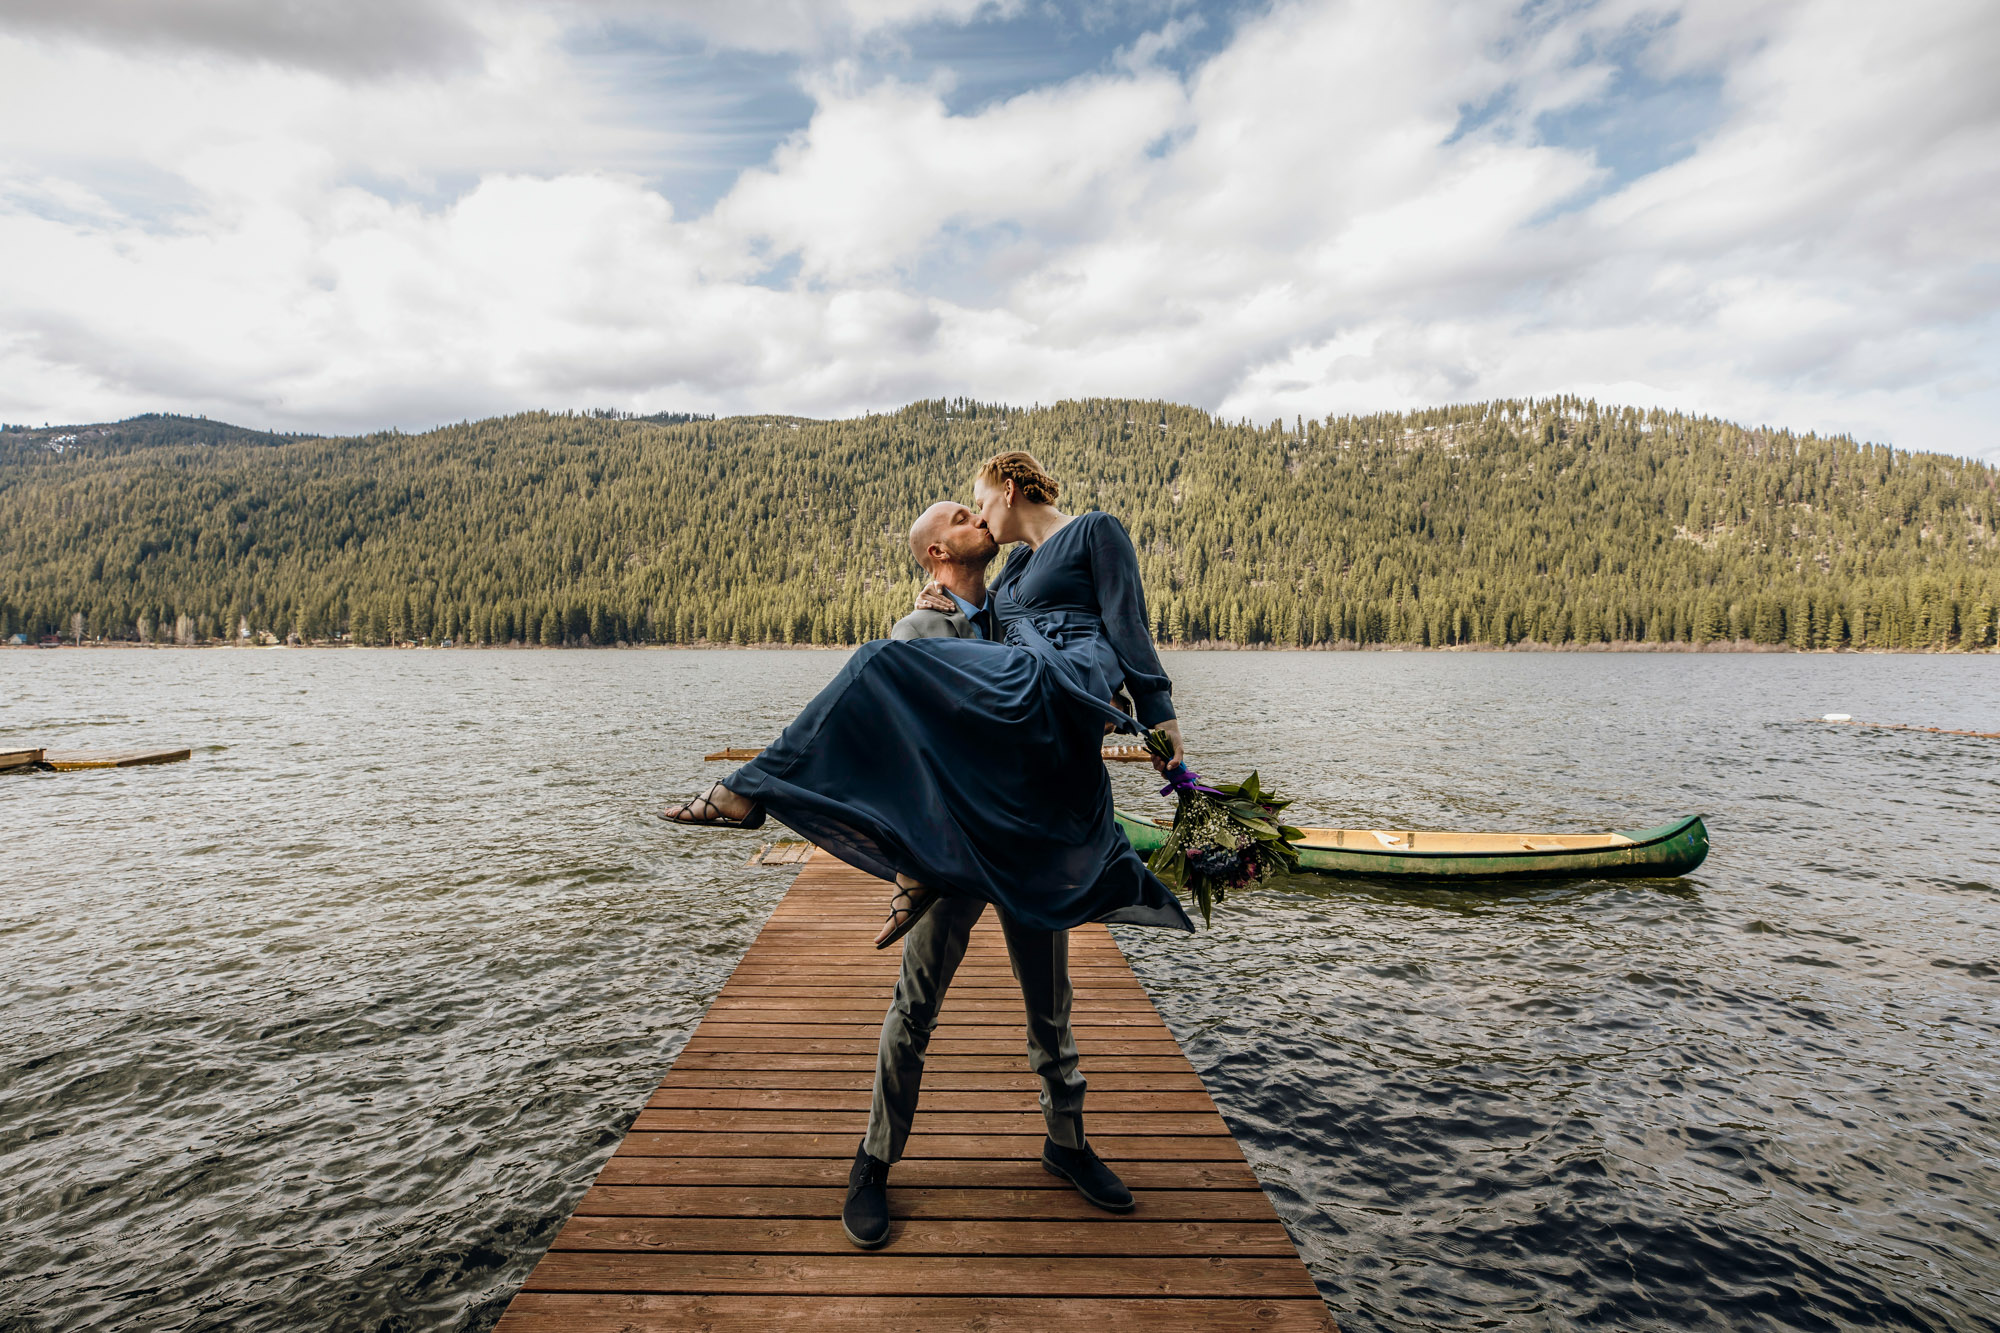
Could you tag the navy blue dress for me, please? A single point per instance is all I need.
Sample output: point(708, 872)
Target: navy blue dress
point(972, 765)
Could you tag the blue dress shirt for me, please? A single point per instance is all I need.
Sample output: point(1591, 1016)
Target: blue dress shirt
point(972, 613)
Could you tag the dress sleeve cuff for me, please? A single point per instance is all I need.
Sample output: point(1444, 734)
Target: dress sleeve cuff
point(1153, 706)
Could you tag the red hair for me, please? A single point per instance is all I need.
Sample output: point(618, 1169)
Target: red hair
point(1025, 471)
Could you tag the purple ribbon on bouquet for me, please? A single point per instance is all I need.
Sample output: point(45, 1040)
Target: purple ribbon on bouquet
point(1182, 780)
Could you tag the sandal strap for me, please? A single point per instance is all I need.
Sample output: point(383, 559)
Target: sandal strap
point(908, 896)
point(714, 811)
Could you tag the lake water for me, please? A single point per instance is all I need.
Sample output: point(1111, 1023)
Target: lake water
point(331, 1026)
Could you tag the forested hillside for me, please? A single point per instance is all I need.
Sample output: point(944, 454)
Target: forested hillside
point(1554, 521)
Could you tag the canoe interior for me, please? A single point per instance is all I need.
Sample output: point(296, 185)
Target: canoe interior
point(1439, 843)
point(1460, 844)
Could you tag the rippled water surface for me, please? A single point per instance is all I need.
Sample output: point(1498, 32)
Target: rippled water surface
point(330, 1026)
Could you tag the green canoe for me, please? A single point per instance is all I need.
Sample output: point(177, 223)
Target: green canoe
point(1653, 853)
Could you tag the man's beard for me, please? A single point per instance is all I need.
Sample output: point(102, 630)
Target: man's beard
point(975, 562)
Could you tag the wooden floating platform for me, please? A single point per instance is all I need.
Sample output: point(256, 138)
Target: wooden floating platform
point(64, 761)
point(1113, 754)
point(10, 759)
point(782, 854)
point(1840, 720)
point(721, 1208)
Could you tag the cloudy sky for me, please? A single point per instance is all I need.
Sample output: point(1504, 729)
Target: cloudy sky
point(330, 216)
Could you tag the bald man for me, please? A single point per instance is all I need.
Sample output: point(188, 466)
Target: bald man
point(953, 545)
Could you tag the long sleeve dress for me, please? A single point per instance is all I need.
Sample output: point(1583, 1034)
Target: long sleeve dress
point(973, 765)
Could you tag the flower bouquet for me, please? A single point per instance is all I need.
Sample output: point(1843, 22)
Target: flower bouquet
point(1226, 836)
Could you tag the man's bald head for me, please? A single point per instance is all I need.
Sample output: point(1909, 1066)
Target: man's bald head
point(948, 533)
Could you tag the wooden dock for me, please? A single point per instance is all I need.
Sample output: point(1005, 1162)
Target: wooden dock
point(10, 759)
point(65, 761)
point(721, 1209)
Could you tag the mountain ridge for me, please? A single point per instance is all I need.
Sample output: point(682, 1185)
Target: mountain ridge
point(1554, 521)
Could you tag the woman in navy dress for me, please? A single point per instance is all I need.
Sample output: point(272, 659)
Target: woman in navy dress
point(972, 766)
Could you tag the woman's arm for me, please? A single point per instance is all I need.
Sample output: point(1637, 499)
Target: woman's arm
point(1114, 566)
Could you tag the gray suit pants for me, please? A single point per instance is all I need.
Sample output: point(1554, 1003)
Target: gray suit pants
point(932, 952)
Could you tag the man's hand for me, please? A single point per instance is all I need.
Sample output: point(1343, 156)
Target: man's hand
point(935, 598)
point(1172, 728)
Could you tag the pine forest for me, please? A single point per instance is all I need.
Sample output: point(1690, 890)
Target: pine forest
point(1553, 522)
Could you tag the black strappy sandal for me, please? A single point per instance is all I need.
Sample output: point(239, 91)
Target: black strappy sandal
point(714, 818)
point(916, 909)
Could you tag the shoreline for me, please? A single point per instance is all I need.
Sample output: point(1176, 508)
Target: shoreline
point(1205, 646)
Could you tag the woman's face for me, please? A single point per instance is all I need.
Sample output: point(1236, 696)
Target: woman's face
point(991, 502)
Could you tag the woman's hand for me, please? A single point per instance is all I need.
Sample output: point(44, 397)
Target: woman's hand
point(934, 598)
point(1172, 728)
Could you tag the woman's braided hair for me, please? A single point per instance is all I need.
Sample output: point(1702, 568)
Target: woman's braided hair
point(1025, 471)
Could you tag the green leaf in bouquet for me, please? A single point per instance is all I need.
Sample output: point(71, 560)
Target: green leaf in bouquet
point(1234, 817)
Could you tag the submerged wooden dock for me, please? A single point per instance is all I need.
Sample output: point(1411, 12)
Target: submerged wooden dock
point(721, 1208)
point(67, 761)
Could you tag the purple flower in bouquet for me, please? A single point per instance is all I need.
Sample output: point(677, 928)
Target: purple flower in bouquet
point(1225, 835)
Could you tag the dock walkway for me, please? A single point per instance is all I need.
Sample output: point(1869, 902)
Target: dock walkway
point(721, 1208)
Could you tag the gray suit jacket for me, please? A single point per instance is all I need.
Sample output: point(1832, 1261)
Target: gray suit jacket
point(927, 624)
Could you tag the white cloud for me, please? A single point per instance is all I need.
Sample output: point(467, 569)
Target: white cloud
point(375, 39)
point(1306, 224)
point(867, 188)
point(811, 26)
point(355, 38)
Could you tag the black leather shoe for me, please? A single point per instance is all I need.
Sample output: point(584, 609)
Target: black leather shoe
point(1086, 1170)
point(865, 1216)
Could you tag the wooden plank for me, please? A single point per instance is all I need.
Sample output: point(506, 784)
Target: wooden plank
point(934, 1063)
point(720, 1209)
point(1054, 1201)
point(1114, 1148)
point(1841, 720)
point(10, 759)
point(936, 1120)
point(886, 1273)
point(970, 1026)
point(1112, 754)
point(782, 854)
point(935, 1080)
point(945, 1044)
point(935, 1100)
point(977, 999)
point(822, 1235)
point(1015, 1173)
point(961, 991)
point(820, 1027)
point(65, 761)
point(538, 1312)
